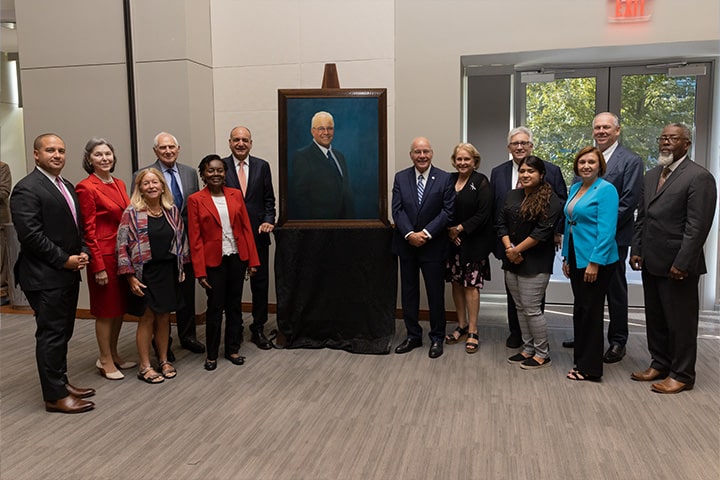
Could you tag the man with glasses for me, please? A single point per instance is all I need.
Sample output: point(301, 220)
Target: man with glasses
point(675, 214)
point(504, 178)
point(423, 199)
point(625, 172)
point(319, 186)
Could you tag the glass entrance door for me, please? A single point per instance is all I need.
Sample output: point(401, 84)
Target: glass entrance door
point(559, 110)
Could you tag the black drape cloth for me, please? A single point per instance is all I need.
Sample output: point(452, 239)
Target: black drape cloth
point(336, 288)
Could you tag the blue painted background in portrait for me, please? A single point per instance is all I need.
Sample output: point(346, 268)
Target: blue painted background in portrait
point(356, 136)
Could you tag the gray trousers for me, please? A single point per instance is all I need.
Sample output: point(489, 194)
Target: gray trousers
point(528, 292)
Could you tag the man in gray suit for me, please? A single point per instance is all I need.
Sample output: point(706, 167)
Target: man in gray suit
point(183, 182)
point(625, 172)
point(674, 218)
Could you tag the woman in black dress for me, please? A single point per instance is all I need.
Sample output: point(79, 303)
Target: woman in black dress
point(472, 238)
point(152, 249)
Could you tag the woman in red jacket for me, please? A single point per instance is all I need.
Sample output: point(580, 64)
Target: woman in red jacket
point(222, 249)
point(103, 198)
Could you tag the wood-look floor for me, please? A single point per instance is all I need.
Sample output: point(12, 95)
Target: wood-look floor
point(324, 414)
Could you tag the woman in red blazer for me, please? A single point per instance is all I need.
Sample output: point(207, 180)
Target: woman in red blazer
point(103, 199)
point(222, 249)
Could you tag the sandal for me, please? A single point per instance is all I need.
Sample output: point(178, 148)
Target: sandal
point(150, 375)
point(473, 343)
point(452, 339)
point(575, 374)
point(168, 372)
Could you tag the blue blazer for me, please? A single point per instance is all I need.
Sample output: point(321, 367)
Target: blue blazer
point(625, 170)
point(592, 224)
point(433, 214)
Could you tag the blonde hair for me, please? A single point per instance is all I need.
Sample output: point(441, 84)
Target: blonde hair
point(138, 201)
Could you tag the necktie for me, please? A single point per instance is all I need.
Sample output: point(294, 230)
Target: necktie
point(242, 177)
point(68, 198)
point(335, 164)
point(421, 188)
point(663, 176)
point(175, 188)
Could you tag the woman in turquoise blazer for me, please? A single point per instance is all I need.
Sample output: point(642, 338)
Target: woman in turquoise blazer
point(590, 255)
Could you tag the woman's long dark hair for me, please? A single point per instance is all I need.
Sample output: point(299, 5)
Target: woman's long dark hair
point(535, 205)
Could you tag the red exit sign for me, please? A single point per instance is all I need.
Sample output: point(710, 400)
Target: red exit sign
point(629, 10)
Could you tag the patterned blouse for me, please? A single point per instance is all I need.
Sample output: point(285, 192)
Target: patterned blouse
point(133, 241)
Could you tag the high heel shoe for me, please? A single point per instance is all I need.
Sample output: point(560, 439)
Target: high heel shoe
point(116, 375)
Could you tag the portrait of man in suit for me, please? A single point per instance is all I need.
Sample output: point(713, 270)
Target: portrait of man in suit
point(319, 181)
point(46, 214)
point(423, 198)
point(252, 176)
point(183, 182)
point(675, 214)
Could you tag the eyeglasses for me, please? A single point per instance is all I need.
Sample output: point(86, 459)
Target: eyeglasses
point(421, 152)
point(669, 138)
point(324, 129)
point(519, 144)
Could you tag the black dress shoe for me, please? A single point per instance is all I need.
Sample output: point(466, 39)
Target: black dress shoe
point(259, 339)
point(514, 341)
point(239, 360)
point(436, 349)
point(408, 344)
point(193, 345)
point(210, 365)
point(69, 404)
point(79, 392)
point(614, 354)
point(569, 343)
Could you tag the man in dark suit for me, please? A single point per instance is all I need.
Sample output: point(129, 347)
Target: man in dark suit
point(422, 206)
point(625, 172)
point(183, 182)
point(46, 214)
point(252, 176)
point(319, 182)
point(674, 218)
point(504, 178)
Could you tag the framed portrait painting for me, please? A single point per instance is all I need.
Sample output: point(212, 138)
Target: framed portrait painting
point(333, 157)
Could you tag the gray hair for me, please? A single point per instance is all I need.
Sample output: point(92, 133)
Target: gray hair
point(686, 130)
point(616, 119)
point(517, 130)
point(319, 115)
point(157, 137)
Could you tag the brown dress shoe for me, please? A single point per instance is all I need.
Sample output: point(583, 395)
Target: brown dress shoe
point(670, 385)
point(648, 375)
point(80, 392)
point(69, 404)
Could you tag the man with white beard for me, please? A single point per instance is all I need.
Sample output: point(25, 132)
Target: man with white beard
point(674, 218)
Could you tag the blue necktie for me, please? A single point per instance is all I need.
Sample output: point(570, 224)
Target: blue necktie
point(175, 188)
point(421, 188)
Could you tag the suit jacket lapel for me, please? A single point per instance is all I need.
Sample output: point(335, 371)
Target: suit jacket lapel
point(207, 202)
point(59, 197)
point(102, 191)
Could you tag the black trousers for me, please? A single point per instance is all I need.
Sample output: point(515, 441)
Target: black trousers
point(55, 318)
point(185, 316)
point(588, 311)
point(225, 295)
point(671, 317)
point(617, 300)
point(259, 285)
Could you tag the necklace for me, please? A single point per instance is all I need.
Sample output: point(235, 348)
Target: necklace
point(103, 180)
point(156, 214)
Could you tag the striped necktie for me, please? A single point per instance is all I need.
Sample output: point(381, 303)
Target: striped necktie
point(420, 188)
